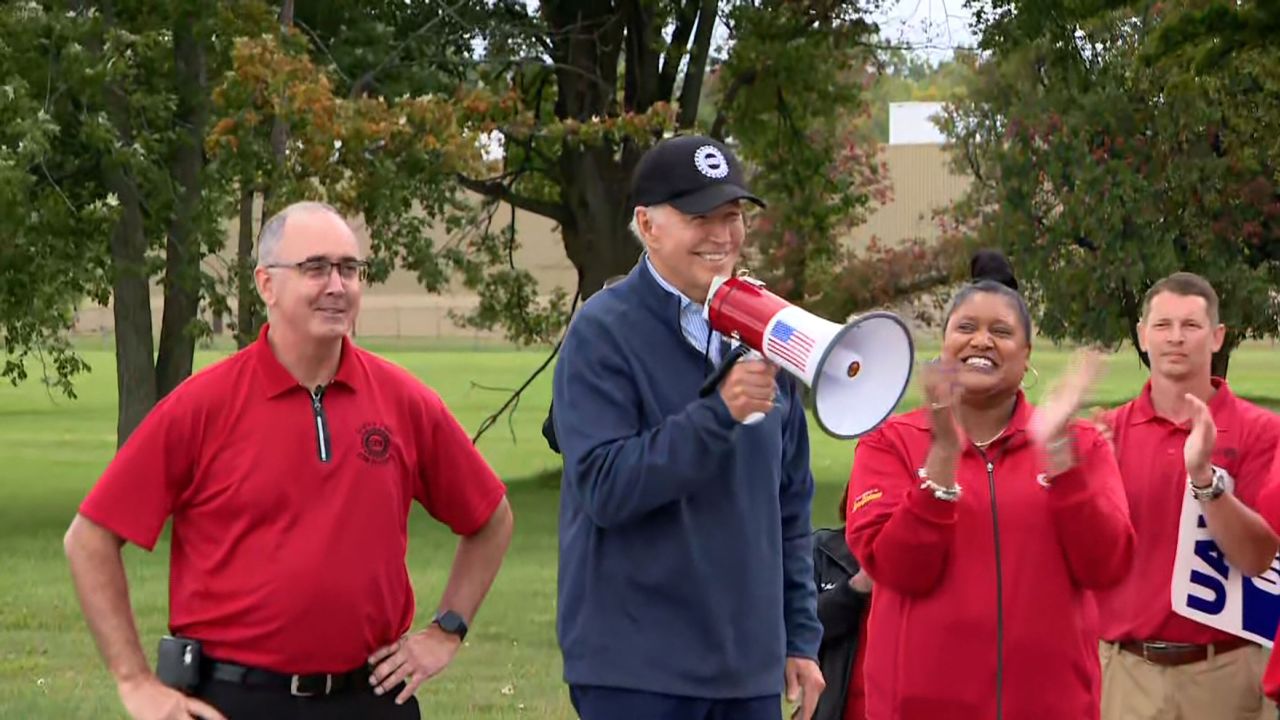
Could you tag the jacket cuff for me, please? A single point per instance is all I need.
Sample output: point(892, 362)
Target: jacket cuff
point(923, 503)
point(1070, 485)
point(720, 411)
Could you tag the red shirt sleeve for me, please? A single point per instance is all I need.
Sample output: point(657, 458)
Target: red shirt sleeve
point(149, 474)
point(1257, 453)
point(1268, 495)
point(456, 484)
point(1091, 514)
point(901, 535)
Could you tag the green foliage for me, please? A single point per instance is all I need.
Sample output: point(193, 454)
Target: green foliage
point(51, 207)
point(801, 69)
point(384, 106)
point(1207, 33)
point(1100, 172)
point(71, 82)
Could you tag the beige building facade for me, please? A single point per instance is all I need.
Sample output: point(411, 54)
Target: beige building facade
point(400, 308)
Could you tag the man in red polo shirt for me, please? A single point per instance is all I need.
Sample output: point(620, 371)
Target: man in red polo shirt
point(1186, 433)
point(289, 470)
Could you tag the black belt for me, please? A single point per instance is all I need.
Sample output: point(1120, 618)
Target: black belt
point(296, 685)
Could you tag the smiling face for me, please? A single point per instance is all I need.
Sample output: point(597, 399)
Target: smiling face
point(985, 335)
point(1180, 337)
point(689, 251)
point(306, 295)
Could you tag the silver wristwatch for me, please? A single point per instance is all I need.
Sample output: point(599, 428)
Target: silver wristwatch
point(946, 494)
point(1217, 488)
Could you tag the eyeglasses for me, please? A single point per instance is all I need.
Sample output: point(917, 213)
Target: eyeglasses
point(319, 269)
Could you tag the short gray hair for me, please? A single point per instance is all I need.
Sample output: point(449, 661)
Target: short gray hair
point(634, 225)
point(273, 229)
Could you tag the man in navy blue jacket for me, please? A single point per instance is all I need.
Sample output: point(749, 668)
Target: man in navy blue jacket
point(686, 571)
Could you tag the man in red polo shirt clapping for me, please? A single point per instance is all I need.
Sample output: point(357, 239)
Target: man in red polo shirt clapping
point(289, 470)
point(1185, 439)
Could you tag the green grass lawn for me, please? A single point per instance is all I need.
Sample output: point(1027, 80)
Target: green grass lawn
point(52, 449)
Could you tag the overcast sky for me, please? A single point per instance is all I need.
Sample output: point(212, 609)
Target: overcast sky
point(932, 27)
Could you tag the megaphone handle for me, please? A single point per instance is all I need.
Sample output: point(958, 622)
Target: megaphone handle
point(738, 352)
point(713, 381)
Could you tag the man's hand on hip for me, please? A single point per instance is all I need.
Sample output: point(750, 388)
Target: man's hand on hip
point(804, 685)
point(414, 658)
point(149, 699)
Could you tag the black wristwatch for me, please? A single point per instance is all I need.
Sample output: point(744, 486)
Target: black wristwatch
point(452, 623)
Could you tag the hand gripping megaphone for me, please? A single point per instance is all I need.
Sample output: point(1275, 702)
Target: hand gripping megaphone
point(858, 372)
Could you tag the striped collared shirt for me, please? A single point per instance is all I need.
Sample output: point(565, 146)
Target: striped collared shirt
point(695, 327)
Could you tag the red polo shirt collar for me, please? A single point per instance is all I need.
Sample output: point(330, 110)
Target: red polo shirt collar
point(1221, 406)
point(277, 380)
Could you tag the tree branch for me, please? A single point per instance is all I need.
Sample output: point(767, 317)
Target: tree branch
point(365, 81)
point(548, 168)
point(514, 401)
point(691, 93)
point(501, 191)
point(323, 48)
point(685, 20)
point(739, 82)
point(921, 283)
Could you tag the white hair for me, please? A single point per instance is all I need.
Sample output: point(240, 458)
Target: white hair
point(273, 229)
point(652, 210)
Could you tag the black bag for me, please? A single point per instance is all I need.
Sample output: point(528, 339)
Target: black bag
point(549, 431)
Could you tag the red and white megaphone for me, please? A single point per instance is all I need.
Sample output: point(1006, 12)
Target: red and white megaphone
point(858, 372)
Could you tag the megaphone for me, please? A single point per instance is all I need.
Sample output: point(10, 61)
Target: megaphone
point(858, 372)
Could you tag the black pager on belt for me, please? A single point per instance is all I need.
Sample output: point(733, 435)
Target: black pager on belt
point(178, 663)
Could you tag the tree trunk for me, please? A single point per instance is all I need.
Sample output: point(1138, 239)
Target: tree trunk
point(1222, 358)
point(591, 41)
point(131, 293)
point(279, 134)
point(1221, 362)
point(691, 93)
point(250, 309)
point(270, 200)
point(246, 292)
point(131, 309)
point(596, 238)
point(182, 253)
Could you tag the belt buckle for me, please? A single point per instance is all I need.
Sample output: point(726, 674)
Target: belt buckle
point(294, 691)
point(1148, 646)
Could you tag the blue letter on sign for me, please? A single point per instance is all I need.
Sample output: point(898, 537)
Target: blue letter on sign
point(1208, 551)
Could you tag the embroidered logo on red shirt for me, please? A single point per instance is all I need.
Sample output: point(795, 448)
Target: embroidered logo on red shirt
point(375, 443)
point(866, 497)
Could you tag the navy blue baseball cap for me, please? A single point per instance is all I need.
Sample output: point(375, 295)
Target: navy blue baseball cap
point(694, 174)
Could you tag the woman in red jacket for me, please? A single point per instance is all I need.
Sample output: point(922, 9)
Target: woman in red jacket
point(985, 524)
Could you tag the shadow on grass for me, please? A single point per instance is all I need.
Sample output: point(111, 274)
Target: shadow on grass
point(546, 480)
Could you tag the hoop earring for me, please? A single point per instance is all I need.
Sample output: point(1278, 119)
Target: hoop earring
point(1035, 378)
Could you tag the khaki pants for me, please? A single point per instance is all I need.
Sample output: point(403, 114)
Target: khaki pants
point(1224, 687)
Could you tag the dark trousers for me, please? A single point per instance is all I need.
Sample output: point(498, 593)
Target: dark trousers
point(244, 702)
point(602, 703)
